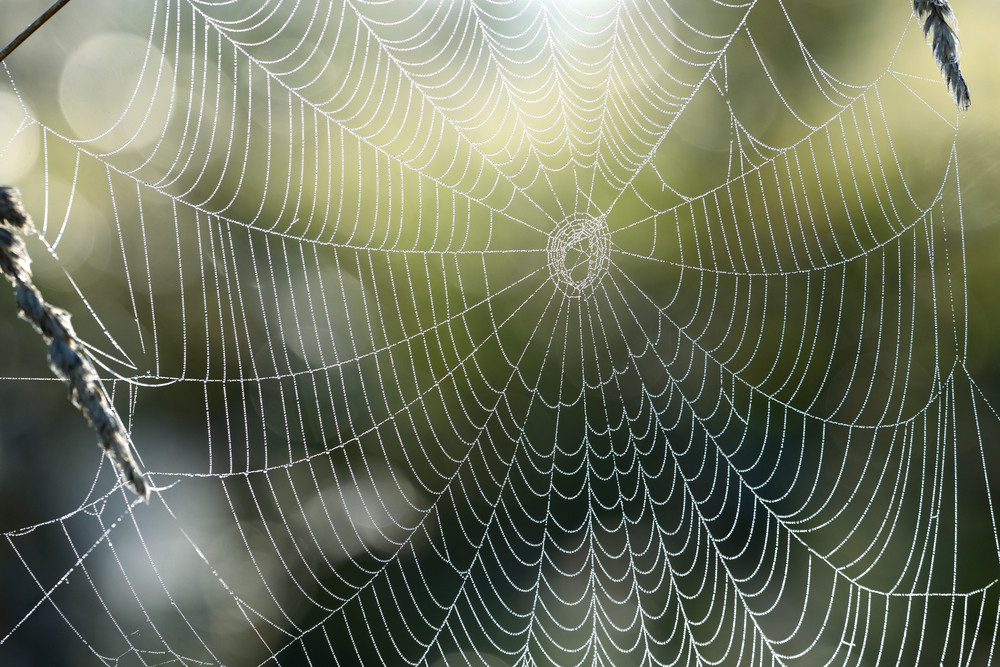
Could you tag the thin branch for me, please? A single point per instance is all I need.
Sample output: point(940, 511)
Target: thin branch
point(49, 13)
point(944, 46)
point(66, 358)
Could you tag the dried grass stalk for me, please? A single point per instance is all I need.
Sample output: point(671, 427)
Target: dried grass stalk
point(944, 46)
point(65, 352)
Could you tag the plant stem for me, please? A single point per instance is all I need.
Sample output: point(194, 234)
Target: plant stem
point(27, 32)
point(66, 356)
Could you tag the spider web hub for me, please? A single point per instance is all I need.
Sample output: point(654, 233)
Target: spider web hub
point(579, 250)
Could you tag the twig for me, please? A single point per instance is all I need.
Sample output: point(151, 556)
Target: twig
point(944, 46)
point(26, 33)
point(65, 357)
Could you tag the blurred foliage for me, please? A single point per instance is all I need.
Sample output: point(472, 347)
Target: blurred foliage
point(48, 463)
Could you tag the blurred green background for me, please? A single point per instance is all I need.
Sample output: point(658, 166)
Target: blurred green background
point(165, 292)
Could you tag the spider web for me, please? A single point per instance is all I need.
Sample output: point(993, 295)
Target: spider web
point(497, 333)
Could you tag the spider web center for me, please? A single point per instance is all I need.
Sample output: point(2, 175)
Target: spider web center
point(579, 251)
